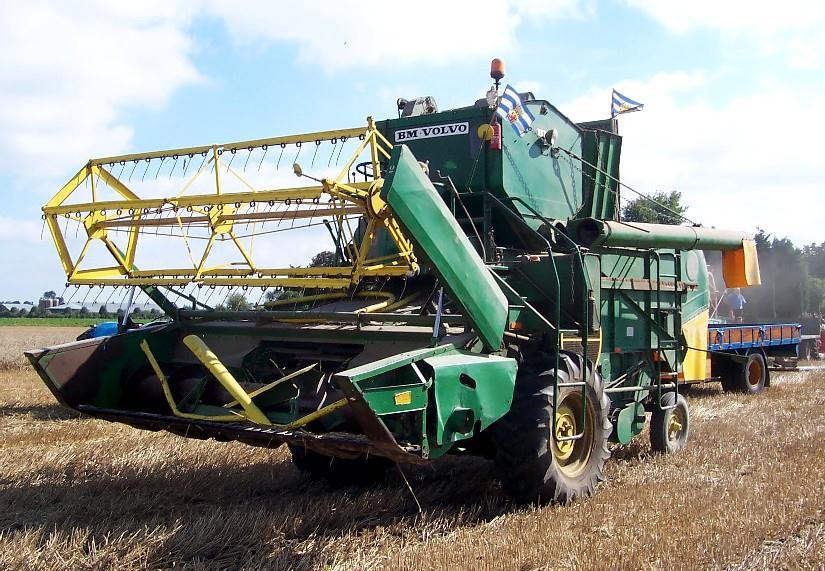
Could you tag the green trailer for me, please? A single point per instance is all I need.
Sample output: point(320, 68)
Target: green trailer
point(489, 301)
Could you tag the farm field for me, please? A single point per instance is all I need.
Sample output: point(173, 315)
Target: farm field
point(82, 322)
point(747, 493)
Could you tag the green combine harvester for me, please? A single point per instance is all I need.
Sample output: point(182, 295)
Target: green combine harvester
point(483, 297)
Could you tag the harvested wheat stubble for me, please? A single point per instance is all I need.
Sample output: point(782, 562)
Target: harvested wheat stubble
point(85, 494)
point(16, 339)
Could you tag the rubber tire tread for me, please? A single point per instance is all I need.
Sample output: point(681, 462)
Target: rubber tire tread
point(741, 375)
point(524, 461)
point(659, 420)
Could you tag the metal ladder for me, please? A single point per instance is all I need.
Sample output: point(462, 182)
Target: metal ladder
point(675, 309)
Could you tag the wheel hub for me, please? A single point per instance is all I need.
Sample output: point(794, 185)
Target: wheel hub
point(674, 427)
point(754, 373)
point(565, 428)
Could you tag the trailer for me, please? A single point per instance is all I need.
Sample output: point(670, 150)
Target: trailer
point(741, 354)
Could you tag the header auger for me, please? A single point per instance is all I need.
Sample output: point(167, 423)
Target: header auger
point(485, 299)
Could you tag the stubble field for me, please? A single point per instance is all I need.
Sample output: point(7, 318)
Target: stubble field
point(77, 493)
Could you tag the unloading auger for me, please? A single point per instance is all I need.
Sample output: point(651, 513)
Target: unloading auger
point(483, 297)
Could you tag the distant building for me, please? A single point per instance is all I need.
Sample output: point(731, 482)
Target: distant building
point(94, 307)
point(16, 307)
point(49, 302)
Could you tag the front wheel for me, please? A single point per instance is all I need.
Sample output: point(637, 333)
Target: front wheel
point(669, 424)
point(536, 458)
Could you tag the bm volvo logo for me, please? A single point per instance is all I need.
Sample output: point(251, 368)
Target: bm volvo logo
point(431, 131)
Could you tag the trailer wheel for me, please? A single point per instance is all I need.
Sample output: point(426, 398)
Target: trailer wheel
point(531, 462)
point(807, 351)
point(670, 428)
point(345, 471)
point(751, 376)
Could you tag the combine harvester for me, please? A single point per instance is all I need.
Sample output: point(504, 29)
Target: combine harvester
point(483, 297)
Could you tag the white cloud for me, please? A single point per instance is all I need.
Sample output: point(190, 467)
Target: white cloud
point(71, 69)
point(348, 33)
point(19, 230)
point(535, 87)
point(792, 28)
point(742, 164)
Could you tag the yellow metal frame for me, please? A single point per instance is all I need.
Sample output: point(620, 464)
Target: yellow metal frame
point(219, 212)
point(250, 411)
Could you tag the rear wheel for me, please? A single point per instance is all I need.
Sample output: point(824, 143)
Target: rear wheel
point(750, 376)
point(807, 351)
point(670, 428)
point(534, 460)
point(347, 471)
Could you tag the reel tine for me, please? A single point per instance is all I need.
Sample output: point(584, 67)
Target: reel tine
point(343, 142)
point(249, 149)
point(133, 169)
point(160, 166)
point(148, 164)
point(266, 149)
point(233, 152)
point(334, 147)
point(174, 164)
point(317, 144)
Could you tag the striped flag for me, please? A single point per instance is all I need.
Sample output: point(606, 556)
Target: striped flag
point(622, 104)
point(511, 110)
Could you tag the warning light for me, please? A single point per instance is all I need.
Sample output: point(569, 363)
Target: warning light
point(497, 70)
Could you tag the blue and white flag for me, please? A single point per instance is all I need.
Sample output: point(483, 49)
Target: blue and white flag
point(622, 104)
point(511, 110)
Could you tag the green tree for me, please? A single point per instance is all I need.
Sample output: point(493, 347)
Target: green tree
point(237, 302)
point(103, 311)
point(650, 209)
point(814, 295)
point(324, 259)
point(49, 294)
point(814, 256)
point(782, 293)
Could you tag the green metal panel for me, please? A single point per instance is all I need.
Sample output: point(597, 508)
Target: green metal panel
point(371, 370)
point(523, 168)
point(601, 149)
point(438, 237)
point(630, 422)
point(629, 315)
point(471, 392)
point(448, 141)
point(549, 182)
point(435, 396)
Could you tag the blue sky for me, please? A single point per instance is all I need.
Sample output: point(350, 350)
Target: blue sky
point(734, 91)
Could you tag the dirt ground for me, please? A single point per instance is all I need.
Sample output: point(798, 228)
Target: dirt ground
point(77, 493)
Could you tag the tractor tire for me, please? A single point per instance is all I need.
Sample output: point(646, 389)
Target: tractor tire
point(670, 428)
point(807, 351)
point(749, 377)
point(343, 471)
point(531, 464)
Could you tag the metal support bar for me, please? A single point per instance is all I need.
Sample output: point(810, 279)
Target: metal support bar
point(225, 378)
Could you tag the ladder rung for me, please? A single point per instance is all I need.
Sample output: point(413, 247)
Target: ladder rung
point(576, 384)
